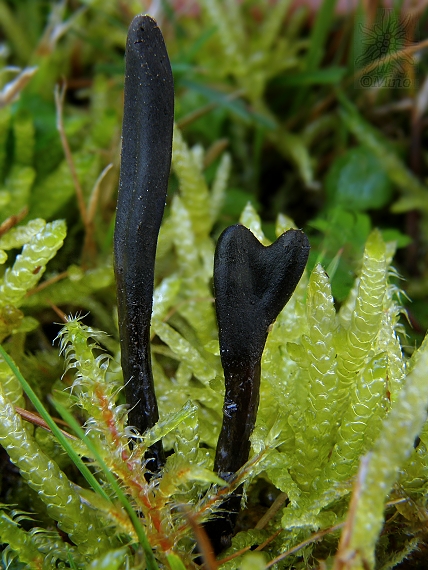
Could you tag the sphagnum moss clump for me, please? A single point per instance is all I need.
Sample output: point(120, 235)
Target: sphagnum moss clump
point(304, 441)
point(340, 408)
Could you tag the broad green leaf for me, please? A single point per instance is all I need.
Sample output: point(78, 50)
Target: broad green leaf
point(357, 181)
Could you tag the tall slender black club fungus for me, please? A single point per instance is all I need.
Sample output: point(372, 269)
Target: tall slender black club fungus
point(145, 166)
point(252, 285)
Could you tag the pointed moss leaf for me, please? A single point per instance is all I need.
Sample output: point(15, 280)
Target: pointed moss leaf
point(296, 351)
point(347, 308)
point(136, 521)
point(171, 400)
point(164, 426)
point(165, 295)
point(311, 510)
point(23, 134)
point(184, 351)
point(399, 239)
point(166, 235)
point(186, 444)
point(271, 25)
point(219, 186)
point(104, 116)
point(388, 341)
point(251, 220)
point(52, 193)
point(193, 188)
point(78, 287)
point(112, 560)
point(230, 42)
point(197, 473)
point(18, 185)
point(5, 118)
point(11, 385)
point(357, 181)
point(294, 147)
point(183, 374)
point(283, 224)
point(28, 324)
point(20, 235)
point(308, 519)
point(253, 561)
point(196, 276)
point(407, 203)
point(30, 265)
point(184, 237)
point(289, 326)
point(175, 562)
point(249, 538)
point(278, 472)
point(391, 449)
point(316, 426)
point(21, 543)
point(362, 419)
point(206, 396)
point(367, 315)
point(213, 347)
point(10, 318)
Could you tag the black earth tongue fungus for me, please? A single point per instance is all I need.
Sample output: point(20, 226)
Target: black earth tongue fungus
point(144, 171)
point(252, 284)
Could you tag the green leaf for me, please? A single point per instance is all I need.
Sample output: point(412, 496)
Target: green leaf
point(330, 75)
point(112, 560)
point(236, 200)
point(175, 562)
point(392, 234)
point(357, 181)
point(5, 117)
point(253, 561)
point(294, 147)
point(235, 106)
point(18, 185)
point(391, 163)
point(23, 132)
point(319, 34)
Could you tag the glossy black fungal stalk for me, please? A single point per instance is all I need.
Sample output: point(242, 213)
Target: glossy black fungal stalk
point(252, 285)
point(145, 166)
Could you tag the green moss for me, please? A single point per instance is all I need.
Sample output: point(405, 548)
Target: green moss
point(341, 402)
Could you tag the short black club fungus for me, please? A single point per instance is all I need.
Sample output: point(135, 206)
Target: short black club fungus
point(252, 285)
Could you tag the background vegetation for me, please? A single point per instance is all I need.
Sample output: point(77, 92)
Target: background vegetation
point(274, 114)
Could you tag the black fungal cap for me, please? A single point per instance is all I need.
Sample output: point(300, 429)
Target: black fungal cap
point(252, 285)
